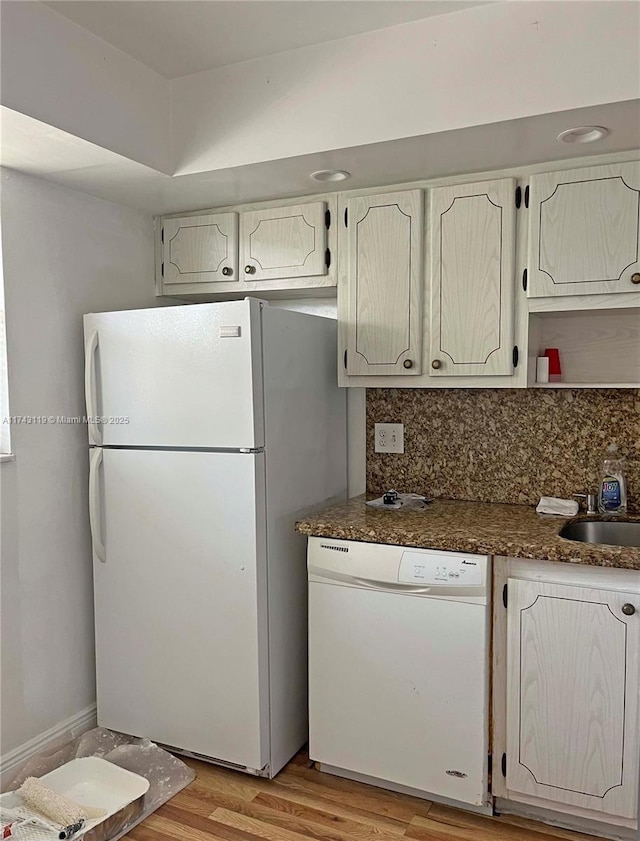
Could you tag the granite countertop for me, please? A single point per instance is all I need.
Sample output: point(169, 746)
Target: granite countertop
point(483, 528)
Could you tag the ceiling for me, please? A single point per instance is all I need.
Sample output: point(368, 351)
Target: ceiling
point(179, 37)
point(36, 148)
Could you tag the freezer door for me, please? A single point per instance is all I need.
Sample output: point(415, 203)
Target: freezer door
point(186, 376)
point(180, 600)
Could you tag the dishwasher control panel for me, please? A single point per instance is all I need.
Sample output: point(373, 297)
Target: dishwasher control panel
point(441, 569)
point(421, 572)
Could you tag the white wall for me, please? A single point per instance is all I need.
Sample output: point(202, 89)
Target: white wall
point(63, 75)
point(486, 64)
point(64, 254)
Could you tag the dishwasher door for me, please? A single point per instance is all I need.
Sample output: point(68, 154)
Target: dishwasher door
point(398, 686)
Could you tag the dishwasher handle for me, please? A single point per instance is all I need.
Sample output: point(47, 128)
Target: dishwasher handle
point(390, 586)
point(370, 583)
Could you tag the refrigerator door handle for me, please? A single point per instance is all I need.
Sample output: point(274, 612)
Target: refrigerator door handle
point(95, 461)
point(90, 389)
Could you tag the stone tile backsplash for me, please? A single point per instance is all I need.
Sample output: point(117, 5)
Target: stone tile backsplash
point(503, 445)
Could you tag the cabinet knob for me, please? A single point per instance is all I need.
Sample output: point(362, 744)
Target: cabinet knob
point(249, 269)
point(628, 609)
point(408, 363)
point(436, 364)
point(227, 271)
point(635, 278)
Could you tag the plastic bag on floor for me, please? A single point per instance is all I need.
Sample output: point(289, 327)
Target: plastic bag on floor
point(167, 775)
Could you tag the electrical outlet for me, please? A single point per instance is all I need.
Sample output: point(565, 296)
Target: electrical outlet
point(389, 437)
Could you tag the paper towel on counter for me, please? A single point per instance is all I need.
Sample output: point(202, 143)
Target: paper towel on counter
point(553, 505)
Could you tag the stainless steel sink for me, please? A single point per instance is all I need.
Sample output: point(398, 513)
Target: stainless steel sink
point(610, 532)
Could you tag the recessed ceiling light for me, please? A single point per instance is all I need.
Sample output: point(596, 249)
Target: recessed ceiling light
point(331, 175)
point(583, 134)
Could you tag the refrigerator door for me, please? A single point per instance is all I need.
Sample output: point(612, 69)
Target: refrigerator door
point(180, 600)
point(186, 376)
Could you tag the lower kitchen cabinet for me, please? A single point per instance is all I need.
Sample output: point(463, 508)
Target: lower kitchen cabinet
point(572, 687)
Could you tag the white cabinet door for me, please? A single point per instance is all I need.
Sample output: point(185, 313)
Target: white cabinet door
point(200, 249)
point(385, 241)
point(572, 696)
point(472, 237)
point(585, 231)
point(281, 242)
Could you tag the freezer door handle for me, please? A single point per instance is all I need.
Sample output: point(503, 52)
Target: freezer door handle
point(90, 389)
point(95, 460)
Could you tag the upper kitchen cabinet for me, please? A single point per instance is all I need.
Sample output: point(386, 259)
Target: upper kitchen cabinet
point(281, 249)
point(585, 231)
point(472, 274)
point(279, 242)
point(199, 249)
point(383, 330)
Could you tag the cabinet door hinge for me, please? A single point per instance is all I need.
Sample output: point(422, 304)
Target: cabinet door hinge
point(346, 217)
point(345, 360)
point(524, 280)
point(162, 270)
point(327, 257)
point(505, 595)
point(327, 219)
point(516, 355)
point(518, 197)
point(526, 196)
point(504, 765)
point(162, 234)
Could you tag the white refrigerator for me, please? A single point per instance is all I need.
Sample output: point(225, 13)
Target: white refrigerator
point(212, 427)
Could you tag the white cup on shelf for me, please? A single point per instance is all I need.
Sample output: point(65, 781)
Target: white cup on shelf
point(542, 369)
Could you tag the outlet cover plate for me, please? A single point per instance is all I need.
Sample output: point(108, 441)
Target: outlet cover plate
point(389, 437)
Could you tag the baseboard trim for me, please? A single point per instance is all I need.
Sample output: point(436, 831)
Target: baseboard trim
point(54, 737)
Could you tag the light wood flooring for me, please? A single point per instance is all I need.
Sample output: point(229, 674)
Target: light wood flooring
point(302, 803)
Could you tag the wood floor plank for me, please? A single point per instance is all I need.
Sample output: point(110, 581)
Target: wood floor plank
point(311, 822)
point(435, 831)
point(456, 824)
point(231, 782)
point(306, 794)
point(303, 804)
point(257, 827)
point(168, 830)
point(301, 758)
point(314, 822)
point(556, 832)
point(378, 800)
point(144, 832)
point(182, 826)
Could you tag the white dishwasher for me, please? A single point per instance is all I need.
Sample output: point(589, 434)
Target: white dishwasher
point(399, 665)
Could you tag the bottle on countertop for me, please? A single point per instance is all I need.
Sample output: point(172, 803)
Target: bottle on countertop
point(612, 492)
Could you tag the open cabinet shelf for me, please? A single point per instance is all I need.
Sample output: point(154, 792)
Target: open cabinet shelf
point(598, 348)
